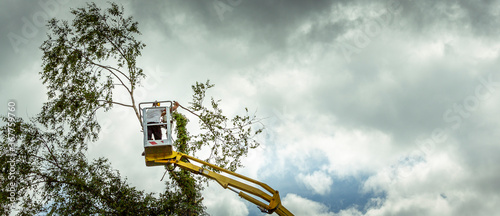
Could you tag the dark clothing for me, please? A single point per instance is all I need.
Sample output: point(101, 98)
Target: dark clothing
point(154, 130)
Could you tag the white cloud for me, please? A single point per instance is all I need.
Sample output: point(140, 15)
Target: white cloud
point(436, 186)
point(223, 202)
point(348, 151)
point(319, 182)
point(301, 206)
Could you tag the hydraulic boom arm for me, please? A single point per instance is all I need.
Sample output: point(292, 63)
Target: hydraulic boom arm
point(271, 197)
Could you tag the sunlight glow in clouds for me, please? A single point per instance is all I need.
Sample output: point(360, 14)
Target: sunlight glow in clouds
point(318, 181)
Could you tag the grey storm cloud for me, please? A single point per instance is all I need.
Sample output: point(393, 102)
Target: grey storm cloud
point(373, 87)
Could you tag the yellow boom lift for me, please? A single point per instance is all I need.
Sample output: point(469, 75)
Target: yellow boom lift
point(159, 153)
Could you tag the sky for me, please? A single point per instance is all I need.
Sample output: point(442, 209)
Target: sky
point(383, 107)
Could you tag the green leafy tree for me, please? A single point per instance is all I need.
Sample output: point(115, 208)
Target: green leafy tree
point(228, 139)
point(183, 190)
point(83, 62)
point(50, 177)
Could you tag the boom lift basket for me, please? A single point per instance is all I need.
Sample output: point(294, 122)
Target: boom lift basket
point(157, 148)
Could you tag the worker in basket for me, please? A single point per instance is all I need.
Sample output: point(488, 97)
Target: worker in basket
point(154, 116)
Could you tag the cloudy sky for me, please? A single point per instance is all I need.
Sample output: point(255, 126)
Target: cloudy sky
point(387, 107)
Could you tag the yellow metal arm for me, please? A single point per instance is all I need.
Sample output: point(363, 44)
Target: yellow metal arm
point(271, 197)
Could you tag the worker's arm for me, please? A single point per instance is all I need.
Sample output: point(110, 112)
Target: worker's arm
point(164, 112)
point(176, 104)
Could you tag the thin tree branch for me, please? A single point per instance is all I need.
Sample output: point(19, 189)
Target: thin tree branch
point(114, 74)
point(117, 103)
point(118, 48)
point(189, 111)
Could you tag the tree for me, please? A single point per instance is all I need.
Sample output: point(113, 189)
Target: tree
point(83, 62)
point(183, 191)
point(52, 177)
point(228, 139)
point(78, 70)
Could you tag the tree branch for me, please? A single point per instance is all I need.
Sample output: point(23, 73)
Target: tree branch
point(118, 103)
point(108, 68)
point(118, 48)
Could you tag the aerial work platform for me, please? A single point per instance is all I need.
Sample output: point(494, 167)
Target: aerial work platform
point(159, 147)
point(159, 152)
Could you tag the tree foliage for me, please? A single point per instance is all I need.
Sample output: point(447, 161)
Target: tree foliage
point(83, 62)
point(228, 139)
point(53, 178)
point(183, 188)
